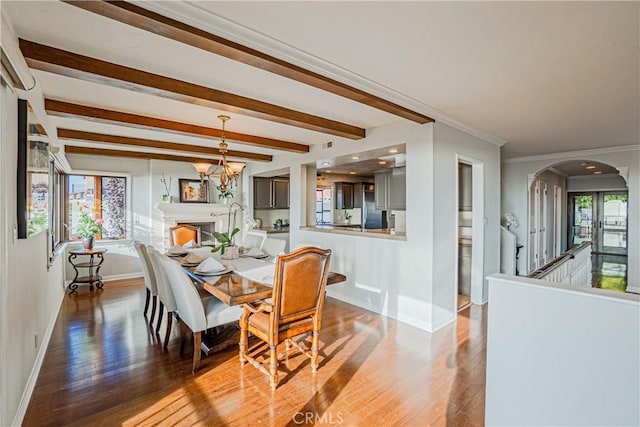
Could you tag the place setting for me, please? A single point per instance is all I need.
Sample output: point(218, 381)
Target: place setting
point(253, 252)
point(211, 267)
point(177, 251)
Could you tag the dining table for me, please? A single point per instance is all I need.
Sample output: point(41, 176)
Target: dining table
point(246, 279)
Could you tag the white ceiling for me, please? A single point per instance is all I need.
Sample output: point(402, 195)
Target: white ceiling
point(541, 76)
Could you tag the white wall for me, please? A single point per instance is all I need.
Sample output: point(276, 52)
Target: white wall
point(449, 145)
point(395, 277)
point(515, 173)
point(29, 293)
point(552, 179)
point(596, 183)
point(557, 355)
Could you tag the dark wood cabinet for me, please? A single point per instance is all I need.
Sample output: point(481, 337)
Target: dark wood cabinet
point(270, 193)
point(344, 195)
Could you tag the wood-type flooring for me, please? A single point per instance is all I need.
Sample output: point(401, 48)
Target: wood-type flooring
point(105, 366)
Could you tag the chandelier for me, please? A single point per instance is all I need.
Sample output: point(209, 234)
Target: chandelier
point(228, 171)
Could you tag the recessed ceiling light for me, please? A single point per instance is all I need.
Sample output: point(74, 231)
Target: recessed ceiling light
point(327, 171)
point(382, 162)
point(591, 167)
point(352, 173)
point(597, 173)
point(326, 164)
point(393, 150)
point(355, 157)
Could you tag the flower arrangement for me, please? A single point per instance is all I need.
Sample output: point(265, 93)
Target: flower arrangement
point(224, 194)
point(511, 220)
point(87, 226)
point(227, 238)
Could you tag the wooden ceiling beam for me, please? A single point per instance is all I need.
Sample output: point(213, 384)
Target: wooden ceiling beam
point(144, 19)
point(68, 109)
point(70, 134)
point(58, 61)
point(70, 149)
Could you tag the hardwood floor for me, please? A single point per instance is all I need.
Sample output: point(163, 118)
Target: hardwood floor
point(105, 366)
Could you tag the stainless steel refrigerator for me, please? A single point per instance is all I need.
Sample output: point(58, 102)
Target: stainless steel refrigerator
point(371, 218)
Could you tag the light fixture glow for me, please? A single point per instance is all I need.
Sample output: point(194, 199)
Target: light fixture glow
point(591, 167)
point(597, 172)
point(382, 162)
point(229, 172)
point(393, 150)
point(326, 164)
point(355, 158)
point(352, 173)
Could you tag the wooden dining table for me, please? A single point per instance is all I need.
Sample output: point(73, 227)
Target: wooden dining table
point(235, 289)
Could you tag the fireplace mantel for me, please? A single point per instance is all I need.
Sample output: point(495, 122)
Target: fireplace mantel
point(203, 212)
point(186, 213)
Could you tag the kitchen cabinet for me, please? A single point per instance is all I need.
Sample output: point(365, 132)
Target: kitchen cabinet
point(391, 189)
point(270, 193)
point(344, 195)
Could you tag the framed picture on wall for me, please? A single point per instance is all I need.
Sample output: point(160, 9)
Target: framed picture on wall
point(194, 191)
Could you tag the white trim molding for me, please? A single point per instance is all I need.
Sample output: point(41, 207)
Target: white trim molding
point(573, 154)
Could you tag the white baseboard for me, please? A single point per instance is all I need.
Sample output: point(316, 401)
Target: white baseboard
point(35, 371)
point(115, 277)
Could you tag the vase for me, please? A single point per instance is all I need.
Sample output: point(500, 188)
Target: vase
point(231, 252)
point(165, 197)
point(87, 243)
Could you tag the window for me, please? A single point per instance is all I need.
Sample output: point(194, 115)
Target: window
point(55, 209)
point(323, 205)
point(105, 196)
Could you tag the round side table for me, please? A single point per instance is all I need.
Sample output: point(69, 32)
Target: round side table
point(78, 261)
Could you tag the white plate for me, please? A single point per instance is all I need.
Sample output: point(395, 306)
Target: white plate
point(212, 273)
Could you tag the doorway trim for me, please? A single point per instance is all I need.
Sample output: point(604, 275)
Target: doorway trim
point(478, 223)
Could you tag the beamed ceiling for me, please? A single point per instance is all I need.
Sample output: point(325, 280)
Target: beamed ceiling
point(148, 79)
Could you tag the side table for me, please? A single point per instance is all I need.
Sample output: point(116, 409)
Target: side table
point(96, 258)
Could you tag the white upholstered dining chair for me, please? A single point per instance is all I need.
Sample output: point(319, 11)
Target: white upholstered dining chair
point(165, 293)
point(149, 279)
point(274, 247)
point(195, 313)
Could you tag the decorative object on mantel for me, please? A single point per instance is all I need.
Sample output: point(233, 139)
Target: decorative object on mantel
point(228, 171)
point(166, 197)
point(87, 227)
point(193, 191)
point(511, 220)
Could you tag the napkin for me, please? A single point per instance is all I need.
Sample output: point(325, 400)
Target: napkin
point(209, 265)
point(192, 259)
point(190, 244)
point(253, 252)
point(177, 250)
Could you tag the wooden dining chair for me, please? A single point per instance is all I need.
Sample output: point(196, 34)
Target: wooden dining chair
point(184, 233)
point(295, 309)
point(195, 313)
point(149, 279)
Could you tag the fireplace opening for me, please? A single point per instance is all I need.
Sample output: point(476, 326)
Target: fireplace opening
point(206, 231)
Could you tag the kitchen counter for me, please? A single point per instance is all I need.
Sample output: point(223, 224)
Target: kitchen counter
point(272, 230)
point(381, 233)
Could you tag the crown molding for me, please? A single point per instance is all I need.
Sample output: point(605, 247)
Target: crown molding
point(193, 14)
point(573, 154)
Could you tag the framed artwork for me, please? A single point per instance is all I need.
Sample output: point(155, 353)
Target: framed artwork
point(33, 174)
point(194, 191)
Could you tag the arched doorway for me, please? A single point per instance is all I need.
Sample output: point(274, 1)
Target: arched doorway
point(575, 201)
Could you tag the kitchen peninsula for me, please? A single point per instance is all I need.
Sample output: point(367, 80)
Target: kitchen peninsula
point(378, 233)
